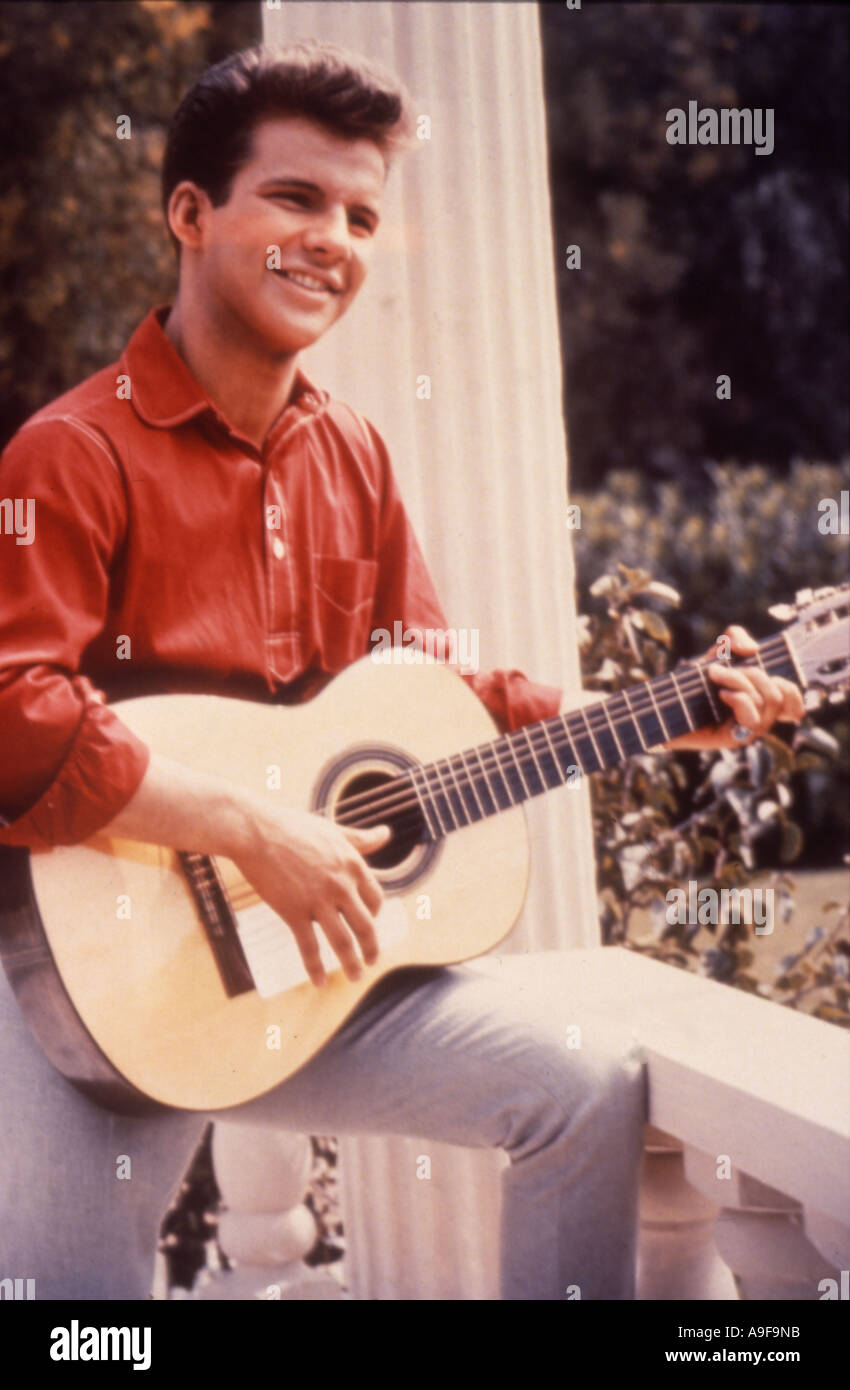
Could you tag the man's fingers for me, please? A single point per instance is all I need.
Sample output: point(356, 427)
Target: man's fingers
point(793, 704)
point(341, 940)
point(305, 938)
point(367, 841)
point(770, 702)
point(362, 924)
point(742, 707)
point(741, 642)
point(368, 886)
point(771, 697)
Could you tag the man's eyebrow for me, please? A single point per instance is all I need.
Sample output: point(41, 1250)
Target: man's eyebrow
point(308, 187)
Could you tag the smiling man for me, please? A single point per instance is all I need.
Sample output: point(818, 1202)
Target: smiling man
point(270, 270)
point(232, 528)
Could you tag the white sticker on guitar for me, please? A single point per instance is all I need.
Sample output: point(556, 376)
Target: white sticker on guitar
point(272, 953)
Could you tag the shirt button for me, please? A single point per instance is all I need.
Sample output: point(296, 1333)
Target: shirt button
point(278, 548)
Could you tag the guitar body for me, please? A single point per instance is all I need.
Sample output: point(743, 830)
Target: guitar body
point(106, 950)
point(152, 976)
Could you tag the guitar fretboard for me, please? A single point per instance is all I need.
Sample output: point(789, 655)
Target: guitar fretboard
point(468, 786)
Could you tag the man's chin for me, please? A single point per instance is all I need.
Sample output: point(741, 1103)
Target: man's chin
point(294, 335)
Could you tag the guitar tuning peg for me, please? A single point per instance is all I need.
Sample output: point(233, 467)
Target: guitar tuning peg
point(803, 596)
point(783, 612)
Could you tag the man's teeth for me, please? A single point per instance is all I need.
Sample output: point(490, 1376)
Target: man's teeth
point(307, 281)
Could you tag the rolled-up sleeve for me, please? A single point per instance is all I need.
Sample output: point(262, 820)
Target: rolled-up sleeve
point(406, 594)
point(67, 763)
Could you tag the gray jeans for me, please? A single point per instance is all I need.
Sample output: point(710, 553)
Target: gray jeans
point(450, 1054)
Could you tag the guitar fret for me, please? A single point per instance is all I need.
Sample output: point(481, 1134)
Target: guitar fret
point(635, 721)
point(569, 749)
point(497, 747)
point(555, 778)
point(599, 757)
point(710, 693)
point(504, 800)
point(651, 694)
point(449, 792)
point(606, 739)
point(435, 794)
point(481, 812)
point(466, 788)
point(510, 743)
point(682, 701)
point(631, 734)
point(613, 729)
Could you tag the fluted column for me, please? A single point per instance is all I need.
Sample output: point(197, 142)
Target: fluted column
point(463, 293)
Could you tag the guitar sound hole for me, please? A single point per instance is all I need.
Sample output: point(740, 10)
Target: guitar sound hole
point(407, 823)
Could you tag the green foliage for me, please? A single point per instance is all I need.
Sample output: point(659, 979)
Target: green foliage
point(699, 260)
point(83, 248)
point(663, 819)
point(819, 974)
point(754, 541)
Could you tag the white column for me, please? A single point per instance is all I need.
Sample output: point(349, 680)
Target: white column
point(464, 292)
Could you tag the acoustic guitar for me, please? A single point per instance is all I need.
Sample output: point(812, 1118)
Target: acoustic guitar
point(154, 977)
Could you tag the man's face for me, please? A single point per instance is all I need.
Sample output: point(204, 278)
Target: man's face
point(315, 195)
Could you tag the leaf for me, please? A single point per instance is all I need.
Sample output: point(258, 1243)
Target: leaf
point(832, 1014)
point(656, 627)
point(782, 754)
point(664, 591)
point(819, 738)
point(791, 843)
point(793, 981)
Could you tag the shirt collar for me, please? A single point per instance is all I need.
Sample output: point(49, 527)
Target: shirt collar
point(163, 390)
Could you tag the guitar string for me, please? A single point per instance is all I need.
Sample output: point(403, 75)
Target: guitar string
point(385, 799)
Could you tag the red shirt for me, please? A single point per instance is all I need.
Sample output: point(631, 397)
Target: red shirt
point(230, 569)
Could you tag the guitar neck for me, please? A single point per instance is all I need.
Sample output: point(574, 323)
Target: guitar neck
point(493, 777)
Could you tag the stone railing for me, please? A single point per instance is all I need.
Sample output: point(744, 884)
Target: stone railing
point(746, 1185)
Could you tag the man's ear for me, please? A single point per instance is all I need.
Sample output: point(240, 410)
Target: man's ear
point(186, 208)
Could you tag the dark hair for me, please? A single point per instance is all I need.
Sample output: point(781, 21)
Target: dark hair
point(210, 135)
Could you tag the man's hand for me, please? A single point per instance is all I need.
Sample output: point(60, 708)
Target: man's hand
point(311, 872)
point(305, 867)
point(757, 701)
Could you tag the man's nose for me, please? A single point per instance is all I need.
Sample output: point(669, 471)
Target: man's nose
point(329, 231)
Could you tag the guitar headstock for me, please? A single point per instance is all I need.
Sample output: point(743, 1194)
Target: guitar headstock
point(819, 641)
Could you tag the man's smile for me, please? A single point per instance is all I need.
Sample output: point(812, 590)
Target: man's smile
point(312, 284)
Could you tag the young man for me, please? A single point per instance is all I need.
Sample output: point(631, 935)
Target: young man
point(153, 511)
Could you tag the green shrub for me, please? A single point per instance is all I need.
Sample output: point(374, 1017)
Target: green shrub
point(662, 819)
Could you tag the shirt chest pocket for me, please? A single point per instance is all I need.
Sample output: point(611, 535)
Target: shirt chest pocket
point(344, 599)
